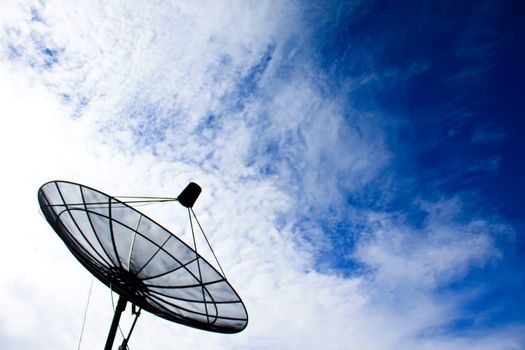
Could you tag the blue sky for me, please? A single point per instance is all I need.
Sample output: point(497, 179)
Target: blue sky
point(361, 161)
point(448, 83)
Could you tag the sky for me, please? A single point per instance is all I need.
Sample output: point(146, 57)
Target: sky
point(361, 164)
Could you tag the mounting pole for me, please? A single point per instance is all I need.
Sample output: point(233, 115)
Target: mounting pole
point(121, 306)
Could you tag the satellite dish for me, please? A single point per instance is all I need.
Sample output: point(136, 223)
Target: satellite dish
point(140, 260)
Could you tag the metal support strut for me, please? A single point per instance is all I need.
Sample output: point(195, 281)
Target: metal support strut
point(121, 306)
point(124, 345)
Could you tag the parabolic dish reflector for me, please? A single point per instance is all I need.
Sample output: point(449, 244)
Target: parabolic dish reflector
point(140, 259)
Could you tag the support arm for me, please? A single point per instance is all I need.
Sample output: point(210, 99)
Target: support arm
point(121, 306)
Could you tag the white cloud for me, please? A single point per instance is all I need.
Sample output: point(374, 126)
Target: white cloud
point(441, 251)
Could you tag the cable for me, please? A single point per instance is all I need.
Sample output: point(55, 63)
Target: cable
point(85, 313)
